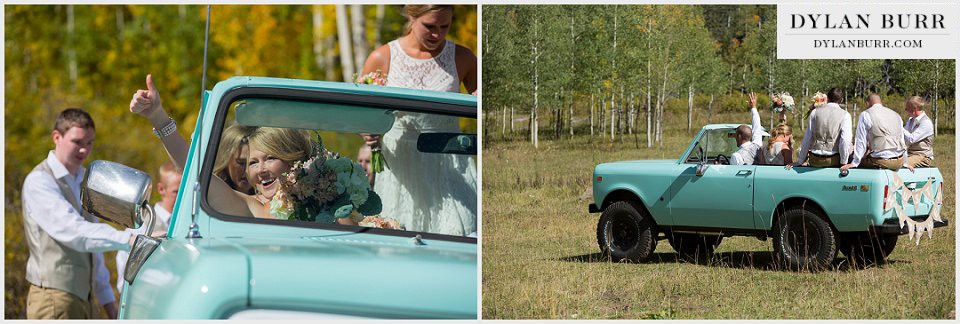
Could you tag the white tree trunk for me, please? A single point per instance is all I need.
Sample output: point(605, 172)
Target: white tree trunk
point(359, 31)
point(71, 50)
point(592, 108)
point(512, 130)
point(378, 35)
point(936, 95)
point(603, 108)
point(689, 107)
point(649, 124)
point(322, 54)
point(536, 85)
point(570, 117)
point(343, 35)
point(613, 113)
point(631, 119)
point(503, 124)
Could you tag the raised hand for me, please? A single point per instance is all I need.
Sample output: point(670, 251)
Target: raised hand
point(753, 100)
point(146, 102)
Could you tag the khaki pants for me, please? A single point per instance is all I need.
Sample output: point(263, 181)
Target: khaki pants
point(824, 162)
point(919, 160)
point(869, 162)
point(49, 303)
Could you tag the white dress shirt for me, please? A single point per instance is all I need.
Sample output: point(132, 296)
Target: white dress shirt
point(163, 223)
point(44, 203)
point(860, 144)
point(735, 158)
point(846, 136)
point(924, 129)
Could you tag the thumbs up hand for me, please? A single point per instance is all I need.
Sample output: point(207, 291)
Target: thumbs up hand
point(145, 102)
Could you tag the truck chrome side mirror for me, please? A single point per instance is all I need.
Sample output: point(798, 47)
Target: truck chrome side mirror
point(118, 193)
point(702, 168)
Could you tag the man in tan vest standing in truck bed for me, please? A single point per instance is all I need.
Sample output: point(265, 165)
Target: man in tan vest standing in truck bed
point(827, 140)
point(879, 131)
point(65, 267)
point(918, 134)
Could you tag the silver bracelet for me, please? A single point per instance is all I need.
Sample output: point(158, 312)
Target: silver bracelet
point(167, 129)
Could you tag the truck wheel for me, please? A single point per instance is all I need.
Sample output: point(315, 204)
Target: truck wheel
point(624, 233)
point(866, 249)
point(694, 245)
point(803, 240)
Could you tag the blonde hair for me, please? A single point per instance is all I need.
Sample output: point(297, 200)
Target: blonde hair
point(230, 143)
point(286, 144)
point(782, 129)
point(167, 168)
point(412, 12)
point(916, 101)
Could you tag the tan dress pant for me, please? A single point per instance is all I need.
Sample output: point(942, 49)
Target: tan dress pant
point(49, 303)
point(869, 162)
point(824, 162)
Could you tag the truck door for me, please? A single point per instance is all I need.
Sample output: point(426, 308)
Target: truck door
point(721, 197)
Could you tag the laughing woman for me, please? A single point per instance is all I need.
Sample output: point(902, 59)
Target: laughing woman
point(272, 151)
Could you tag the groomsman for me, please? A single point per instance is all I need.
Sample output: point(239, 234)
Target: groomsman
point(880, 130)
point(65, 267)
point(826, 142)
point(918, 134)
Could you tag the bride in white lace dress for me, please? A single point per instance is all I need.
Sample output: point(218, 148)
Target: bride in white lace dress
point(435, 193)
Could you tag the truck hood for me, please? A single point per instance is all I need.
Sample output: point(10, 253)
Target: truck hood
point(364, 275)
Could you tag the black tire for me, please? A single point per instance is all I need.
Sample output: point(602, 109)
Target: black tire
point(694, 245)
point(804, 240)
point(624, 233)
point(866, 249)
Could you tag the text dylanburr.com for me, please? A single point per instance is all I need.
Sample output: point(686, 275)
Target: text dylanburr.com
point(867, 43)
point(858, 31)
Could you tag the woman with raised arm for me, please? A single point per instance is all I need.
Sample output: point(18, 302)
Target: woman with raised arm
point(272, 151)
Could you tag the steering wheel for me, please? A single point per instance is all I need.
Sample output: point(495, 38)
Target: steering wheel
point(721, 159)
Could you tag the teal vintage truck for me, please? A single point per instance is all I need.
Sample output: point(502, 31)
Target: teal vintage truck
point(810, 213)
point(212, 264)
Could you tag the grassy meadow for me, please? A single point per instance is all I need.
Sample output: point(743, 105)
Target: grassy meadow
point(541, 259)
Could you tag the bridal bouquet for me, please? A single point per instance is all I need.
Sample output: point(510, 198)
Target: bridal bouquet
point(380, 222)
point(377, 162)
point(322, 188)
point(374, 78)
point(819, 99)
point(781, 101)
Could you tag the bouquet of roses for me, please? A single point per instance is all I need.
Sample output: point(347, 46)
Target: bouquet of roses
point(819, 99)
point(781, 101)
point(323, 188)
point(377, 162)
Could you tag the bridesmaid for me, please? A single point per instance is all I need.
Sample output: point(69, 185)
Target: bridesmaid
point(433, 193)
point(423, 50)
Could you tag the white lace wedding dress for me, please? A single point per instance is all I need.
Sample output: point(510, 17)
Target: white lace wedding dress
point(426, 192)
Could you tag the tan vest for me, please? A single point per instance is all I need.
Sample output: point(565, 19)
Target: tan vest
point(748, 154)
point(924, 146)
point(52, 264)
point(886, 129)
point(826, 123)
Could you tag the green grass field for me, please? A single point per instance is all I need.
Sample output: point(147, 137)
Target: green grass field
point(541, 260)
